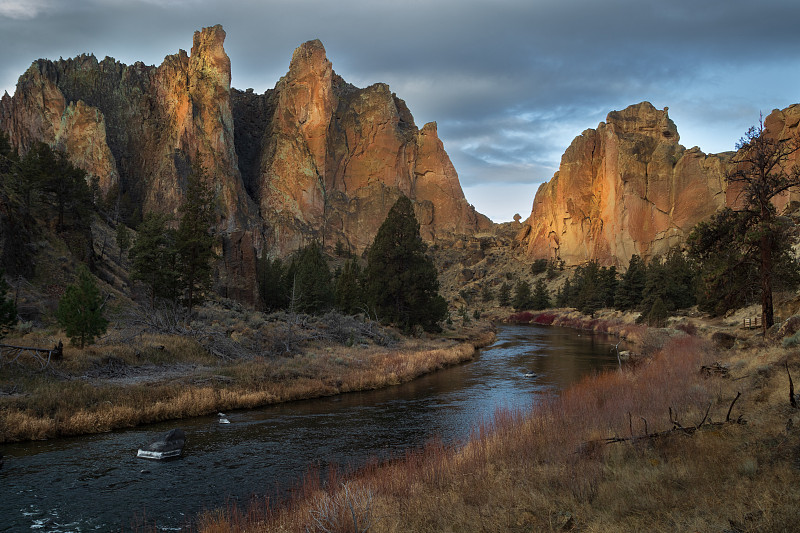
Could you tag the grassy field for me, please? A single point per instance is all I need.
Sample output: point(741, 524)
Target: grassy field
point(659, 447)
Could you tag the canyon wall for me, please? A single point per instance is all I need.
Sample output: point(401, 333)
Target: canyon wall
point(627, 187)
point(315, 158)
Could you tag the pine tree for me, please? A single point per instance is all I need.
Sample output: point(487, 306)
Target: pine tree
point(504, 295)
point(762, 169)
point(541, 296)
point(487, 294)
point(195, 244)
point(154, 258)
point(272, 283)
point(311, 280)
point(8, 310)
point(47, 177)
point(400, 281)
point(349, 296)
point(563, 294)
point(123, 236)
point(630, 289)
point(657, 317)
point(80, 310)
point(522, 295)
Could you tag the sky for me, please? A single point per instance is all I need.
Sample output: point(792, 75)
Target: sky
point(509, 82)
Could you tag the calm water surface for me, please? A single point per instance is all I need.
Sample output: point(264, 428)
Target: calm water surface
point(96, 483)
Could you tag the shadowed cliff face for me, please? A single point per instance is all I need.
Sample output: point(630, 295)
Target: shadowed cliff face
point(624, 188)
point(313, 158)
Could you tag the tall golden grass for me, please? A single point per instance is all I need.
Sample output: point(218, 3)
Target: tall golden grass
point(53, 407)
point(550, 469)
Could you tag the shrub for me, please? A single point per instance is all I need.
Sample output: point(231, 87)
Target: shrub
point(525, 317)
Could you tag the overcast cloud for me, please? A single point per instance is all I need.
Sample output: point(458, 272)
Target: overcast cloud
point(510, 82)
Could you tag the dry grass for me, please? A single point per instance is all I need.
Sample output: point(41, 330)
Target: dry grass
point(550, 470)
point(164, 377)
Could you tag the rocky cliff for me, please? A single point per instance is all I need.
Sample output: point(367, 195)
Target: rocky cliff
point(313, 158)
point(627, 187)
point(333, 159)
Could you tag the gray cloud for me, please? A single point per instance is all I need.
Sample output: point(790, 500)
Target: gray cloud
point(510, 82)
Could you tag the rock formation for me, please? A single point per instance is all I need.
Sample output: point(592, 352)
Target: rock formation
point(313, 158)
point(627, 187)
point(333, 159)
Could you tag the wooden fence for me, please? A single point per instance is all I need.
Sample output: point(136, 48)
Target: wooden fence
point(752, 323)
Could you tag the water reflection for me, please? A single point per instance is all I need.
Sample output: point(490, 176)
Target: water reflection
point(96, 482)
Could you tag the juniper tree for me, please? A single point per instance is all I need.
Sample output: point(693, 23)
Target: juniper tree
point(154, 258)
point(195, 243)
point(541, 296)
point(8, 309)
point(630, 289)
point(272, 283)
point(504, 295)
point(522, 295)
point(311, 280)
point(80, 310)
point(347, 288)
point(762, 171)
point(123, 236)
point(400, 280)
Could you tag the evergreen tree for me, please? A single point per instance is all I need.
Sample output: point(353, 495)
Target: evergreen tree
point(311, 280)
point(681, 280)
point(522, 295)
point(123, 239)
point(609, 284)
point(762, 169)
point(8, 156)
point(504, 295)
point(728, 260)
point(400, 280)
point(80, 310)
point(562, 296)
point(154, 258)
point(349, 296)
point(630, 289)
point(195, 244)
point(272, 283)
point(487, 295)
point(8, 310)
point(47, 177)
point(672, 280)
point(552, 270)
point(588, 288)
point(539, 266)
point(657, 317)
point(541, 296)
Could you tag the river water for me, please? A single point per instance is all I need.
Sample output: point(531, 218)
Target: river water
point(96, 483)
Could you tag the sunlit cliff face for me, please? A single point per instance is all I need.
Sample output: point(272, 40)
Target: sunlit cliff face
point(624, 188)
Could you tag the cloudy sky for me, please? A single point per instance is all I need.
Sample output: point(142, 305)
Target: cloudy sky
point(510, 82)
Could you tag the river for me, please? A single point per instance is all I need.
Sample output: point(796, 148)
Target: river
point(96, 482)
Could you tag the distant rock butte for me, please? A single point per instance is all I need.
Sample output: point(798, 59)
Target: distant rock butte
point(313, 158)
point(628, 187)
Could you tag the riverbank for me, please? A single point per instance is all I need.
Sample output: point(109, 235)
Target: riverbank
point(694, 438)
point(169, 377)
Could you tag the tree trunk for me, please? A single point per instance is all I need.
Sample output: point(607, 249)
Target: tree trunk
point(767, 317)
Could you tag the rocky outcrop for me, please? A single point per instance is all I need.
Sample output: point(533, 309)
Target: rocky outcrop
point(627, 187)
point(138, 125)
point(334, 159)
point(313, 158)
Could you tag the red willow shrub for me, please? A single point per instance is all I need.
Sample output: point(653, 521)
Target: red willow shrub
point(544, 318)
point(523, 317)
